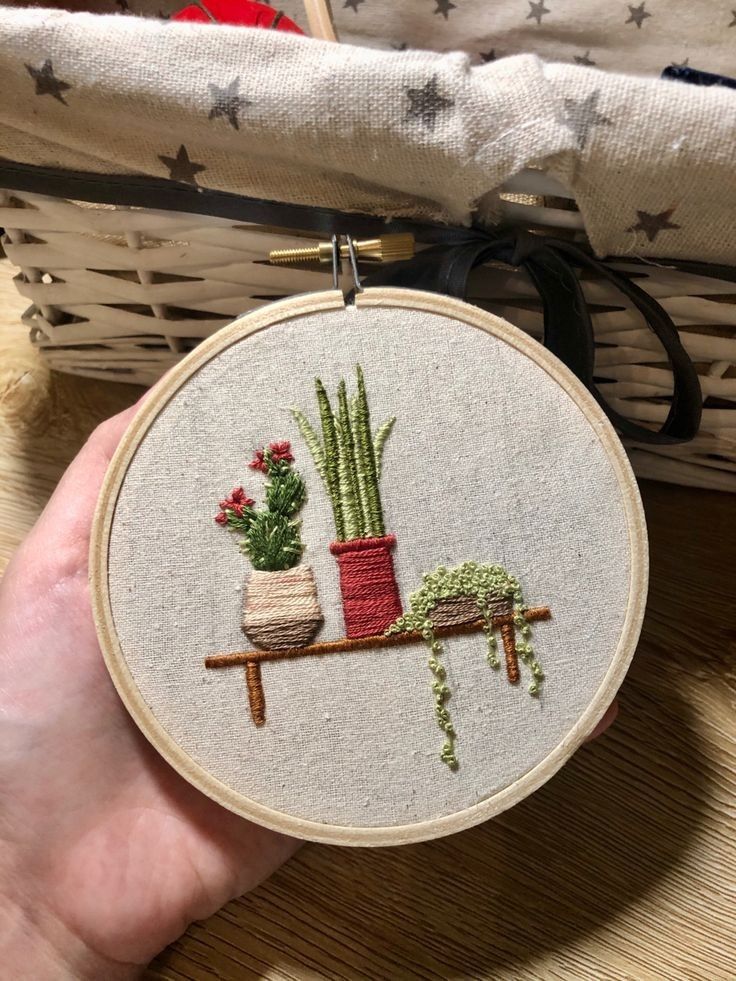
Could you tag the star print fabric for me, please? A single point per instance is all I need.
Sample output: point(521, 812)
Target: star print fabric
point(388, 132)
point(637, 37)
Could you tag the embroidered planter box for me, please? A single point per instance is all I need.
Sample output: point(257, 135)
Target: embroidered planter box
point(456, 610)
point(280, 609)
point(370, 594)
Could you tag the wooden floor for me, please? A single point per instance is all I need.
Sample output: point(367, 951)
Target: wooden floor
point(623, 866)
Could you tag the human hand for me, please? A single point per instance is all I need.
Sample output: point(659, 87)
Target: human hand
point(106, 854)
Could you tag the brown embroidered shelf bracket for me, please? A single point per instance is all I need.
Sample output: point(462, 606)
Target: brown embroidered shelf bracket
point(256, 697)
point(253, 659)
point(508, 636)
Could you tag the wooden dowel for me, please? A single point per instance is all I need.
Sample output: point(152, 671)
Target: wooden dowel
point(365, 643)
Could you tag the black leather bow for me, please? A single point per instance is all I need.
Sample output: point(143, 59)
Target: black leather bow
point(568, 330)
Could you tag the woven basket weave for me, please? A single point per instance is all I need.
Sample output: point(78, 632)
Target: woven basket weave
point(122, 293)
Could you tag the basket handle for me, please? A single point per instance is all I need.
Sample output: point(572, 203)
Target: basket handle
point(320, 19)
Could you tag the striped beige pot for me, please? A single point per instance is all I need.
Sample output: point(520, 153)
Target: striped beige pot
point(281, 609)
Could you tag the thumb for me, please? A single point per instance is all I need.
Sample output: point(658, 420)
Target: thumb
point(62, 532)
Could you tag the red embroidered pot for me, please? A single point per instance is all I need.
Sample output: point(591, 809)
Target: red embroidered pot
point(370, 595)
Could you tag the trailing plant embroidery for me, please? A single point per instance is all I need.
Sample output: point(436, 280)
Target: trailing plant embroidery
point(469, 593)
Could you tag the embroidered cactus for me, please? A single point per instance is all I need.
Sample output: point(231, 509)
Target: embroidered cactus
point(348, 458)
point(459, 595)
point(271, 537)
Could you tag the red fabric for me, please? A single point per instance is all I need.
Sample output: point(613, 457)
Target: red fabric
point(245, 13)
point(370, 594)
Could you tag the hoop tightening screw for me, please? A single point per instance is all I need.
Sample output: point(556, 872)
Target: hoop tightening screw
point(387, 248)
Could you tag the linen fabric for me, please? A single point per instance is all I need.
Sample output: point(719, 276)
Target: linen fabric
point(412, 133)
point(615, 35)
point(490, 460)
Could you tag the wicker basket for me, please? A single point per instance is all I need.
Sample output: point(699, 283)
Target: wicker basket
point(122, 293)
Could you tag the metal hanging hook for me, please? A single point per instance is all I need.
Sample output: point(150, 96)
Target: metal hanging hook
point(353, 255)
point(335, 242)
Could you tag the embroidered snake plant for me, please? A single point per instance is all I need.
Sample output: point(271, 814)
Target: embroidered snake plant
point(348, 458)
point(271, 535)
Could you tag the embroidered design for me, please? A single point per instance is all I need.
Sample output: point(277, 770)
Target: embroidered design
point(280, 607)
point(271, 536)
point(348, 458)
point(256, 698)
point(465, 595)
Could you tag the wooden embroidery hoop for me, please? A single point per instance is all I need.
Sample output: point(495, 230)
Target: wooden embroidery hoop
point(132, 697)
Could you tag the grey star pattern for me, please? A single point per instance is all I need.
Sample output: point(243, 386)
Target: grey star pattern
point(444, 7)
point(353, 4)
point(581, 115)
point(180, 167)
point(426, 103)
point(537, 11)
point(637, 15)
point(584, 59)
point(487, 56)
point(47, 83)
point(227, 102)
point(652, 225)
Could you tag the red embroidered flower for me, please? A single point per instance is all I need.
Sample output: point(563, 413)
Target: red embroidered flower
point(259, 461)
point(221, 518)
point(238, 496)
point(281, 452)
point(236, 502)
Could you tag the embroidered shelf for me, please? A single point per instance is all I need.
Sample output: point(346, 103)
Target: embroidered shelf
point(253, 659)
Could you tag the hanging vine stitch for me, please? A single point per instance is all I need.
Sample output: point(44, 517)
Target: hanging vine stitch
point(467, 595)
point(281, 611)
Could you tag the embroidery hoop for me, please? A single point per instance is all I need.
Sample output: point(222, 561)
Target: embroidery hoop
point(134, 699)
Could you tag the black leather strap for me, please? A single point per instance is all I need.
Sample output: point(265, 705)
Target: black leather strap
point(568, 329)
point(444, 268)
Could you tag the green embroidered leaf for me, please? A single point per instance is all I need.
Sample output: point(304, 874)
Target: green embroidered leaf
point(348, 458)
point(285, 493)
point(366, 457)
point(272, 542)
point(332, 457)
point(349, 493)
point(379, 441)
point(312, 440)
point(271, 537)
point(359, 469)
